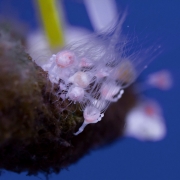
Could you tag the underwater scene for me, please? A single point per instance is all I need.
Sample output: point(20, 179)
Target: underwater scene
point(89, 89)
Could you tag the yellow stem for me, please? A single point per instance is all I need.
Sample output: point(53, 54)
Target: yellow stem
point(51, 22)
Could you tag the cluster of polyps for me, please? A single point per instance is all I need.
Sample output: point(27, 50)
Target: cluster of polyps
point(93, 72)
point(93, 81)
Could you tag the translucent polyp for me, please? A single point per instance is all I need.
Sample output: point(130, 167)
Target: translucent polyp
point(65, 59)
point(76, 94)
point(125, 72)
point(109, 90)
point(91, 114)
point(81, 79)
point(161, 80)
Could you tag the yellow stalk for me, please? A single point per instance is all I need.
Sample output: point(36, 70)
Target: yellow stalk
point(51, 22)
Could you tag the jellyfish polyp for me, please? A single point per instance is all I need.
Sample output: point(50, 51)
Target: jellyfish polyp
point(95, 71)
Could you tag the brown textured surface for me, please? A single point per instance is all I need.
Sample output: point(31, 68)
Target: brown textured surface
point(34, 136)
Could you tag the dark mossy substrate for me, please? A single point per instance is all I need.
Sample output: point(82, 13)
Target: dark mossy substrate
point(34, 136)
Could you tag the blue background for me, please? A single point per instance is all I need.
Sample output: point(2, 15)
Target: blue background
point(128, 159)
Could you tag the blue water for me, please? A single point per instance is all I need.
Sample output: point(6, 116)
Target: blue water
point(129, 159)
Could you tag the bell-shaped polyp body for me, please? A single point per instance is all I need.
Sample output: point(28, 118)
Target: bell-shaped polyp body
point(101, 104)
point(65, 59)
point(91, 114)
point(76, 94)
point(125, 72)
point(109, 90)
point(81, 79)
point(145, 122)
point(161, 80)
